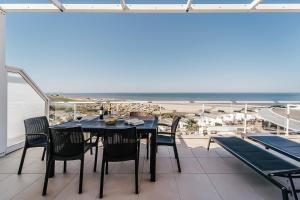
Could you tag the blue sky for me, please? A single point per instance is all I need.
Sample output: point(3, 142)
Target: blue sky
point(102, 52)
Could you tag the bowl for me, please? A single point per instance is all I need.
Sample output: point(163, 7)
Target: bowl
point(110, 121)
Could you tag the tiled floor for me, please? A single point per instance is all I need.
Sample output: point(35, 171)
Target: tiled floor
point(213, 175)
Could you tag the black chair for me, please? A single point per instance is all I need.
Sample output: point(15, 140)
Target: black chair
point(144, 135)
point(67, 144)
point(120, 145)
point(169, 138)
point(36, 135)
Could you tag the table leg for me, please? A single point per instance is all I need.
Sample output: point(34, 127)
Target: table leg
point(52, 170)
point(153, 157)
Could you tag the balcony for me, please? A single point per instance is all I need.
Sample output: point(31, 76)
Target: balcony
point(205, 175)
point(214, 174)
point(209, 175)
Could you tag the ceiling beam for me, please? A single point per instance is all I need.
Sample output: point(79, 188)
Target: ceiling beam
point(188, 5)
point(152, 8)
point(58, 4)
point(254, 4)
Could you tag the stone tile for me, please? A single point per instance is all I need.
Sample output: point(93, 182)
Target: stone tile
point(4, 176)
point(118, 186)
point(196, 186)
point(90, 188)
point(188, 165)
point(164, 188)
point(223, 153)
point(201, 152)
point(16, 183)
point(213, 174)
point(126, 167)
point(233, 187)
point(163, 165)
point(223, 165)
point(263, 187)
point(182, 152)
point(31, 153)
point(37, 167)
point(11, 165)
point(55, 186)
point(162, 151)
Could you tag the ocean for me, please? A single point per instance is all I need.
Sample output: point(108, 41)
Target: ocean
point(190, 96)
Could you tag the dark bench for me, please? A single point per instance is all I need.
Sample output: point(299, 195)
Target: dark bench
point(263, 162)
point(282, 145)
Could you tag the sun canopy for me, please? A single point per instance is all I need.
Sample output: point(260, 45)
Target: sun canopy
point(193, 6)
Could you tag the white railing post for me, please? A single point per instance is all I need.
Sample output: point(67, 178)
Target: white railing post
point(3, 87)
point(160, 111)
point(287, 119)
point(74, 109)
point(245, 118)
point(54, 106)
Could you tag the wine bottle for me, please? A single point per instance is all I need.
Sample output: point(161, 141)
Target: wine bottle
point(101, 112)
point(109, 110)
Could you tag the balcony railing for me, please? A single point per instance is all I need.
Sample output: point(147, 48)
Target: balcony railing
point(200, 118)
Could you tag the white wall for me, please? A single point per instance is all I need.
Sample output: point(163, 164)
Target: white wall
point(3, 87)
point(23, 103)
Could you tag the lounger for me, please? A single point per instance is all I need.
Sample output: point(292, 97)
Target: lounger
point(282, 145)
point(263, 162)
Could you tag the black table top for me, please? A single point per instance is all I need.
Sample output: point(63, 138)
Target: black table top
point(96, 124)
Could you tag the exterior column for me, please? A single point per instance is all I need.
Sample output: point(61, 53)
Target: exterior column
point(3, 87)
point(287, 119)
point(245, 119)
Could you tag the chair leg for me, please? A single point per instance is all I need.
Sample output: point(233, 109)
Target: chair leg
point(65, 166)
point(294, 193)
point(177, 158)
point(285, 194)
point(81, 175)
point(147, 146)
point(91, 149)
point(22, 160)
point(49, 162)
point(96, 159)
point(44, 152)
point(136, 175)
point(102, 178)
point(106, 170)
point(209, 141)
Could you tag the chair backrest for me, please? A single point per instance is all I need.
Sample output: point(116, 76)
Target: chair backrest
point(175, 122)
point(66, 142)
point(137, 114)
point(36, 125)
point(120, 144)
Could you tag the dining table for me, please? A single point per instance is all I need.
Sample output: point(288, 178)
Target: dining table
point(97, 126)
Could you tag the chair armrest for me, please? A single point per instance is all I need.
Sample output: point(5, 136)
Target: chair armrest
point(31, 136)
point(37, 134)
point(285, 172)
point(166, 133)
point(163, 124)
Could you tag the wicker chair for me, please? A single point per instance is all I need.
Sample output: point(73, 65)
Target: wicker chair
point(36, 135)
point(169, 138)
point(67, 144)
point(144, 135)
point(120, 145)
